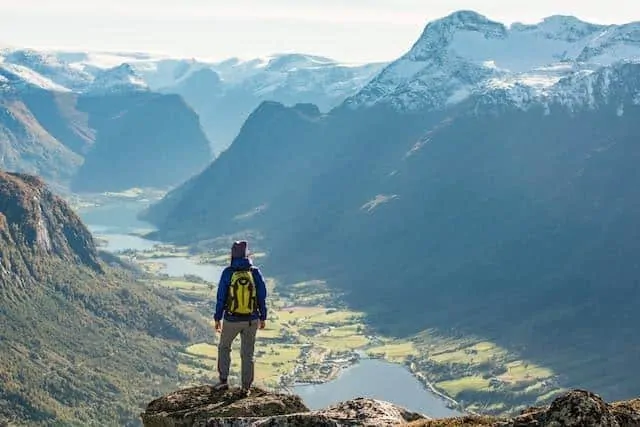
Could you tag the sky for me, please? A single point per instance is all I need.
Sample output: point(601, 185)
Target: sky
point(354, 31)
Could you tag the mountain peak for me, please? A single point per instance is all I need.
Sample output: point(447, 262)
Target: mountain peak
point(464, 17)
point(459, 53)
point(122, 78)
point(439, 34)
point(287, 62)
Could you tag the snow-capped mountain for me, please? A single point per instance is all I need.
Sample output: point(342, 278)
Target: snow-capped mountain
point(223, 93)
point(19, 77)
point(122, 78)
point(49, 66)
point(466, 53)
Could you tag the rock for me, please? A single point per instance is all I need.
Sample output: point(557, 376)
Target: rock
point(577, 408)
point(580, 408)
point(203, 407)
point(627, 413)
point(196, 406)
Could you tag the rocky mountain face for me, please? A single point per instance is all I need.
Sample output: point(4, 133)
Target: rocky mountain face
point(203, 407)
point(81, 343)
point(506, 212)
point(36, 224)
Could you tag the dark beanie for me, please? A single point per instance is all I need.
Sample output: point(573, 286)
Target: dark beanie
point(239, 249)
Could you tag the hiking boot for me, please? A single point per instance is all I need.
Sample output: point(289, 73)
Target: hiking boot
point(221, 386)
point(245, 392)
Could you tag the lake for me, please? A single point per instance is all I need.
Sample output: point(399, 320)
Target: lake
point(378, 379)
point(372, 378)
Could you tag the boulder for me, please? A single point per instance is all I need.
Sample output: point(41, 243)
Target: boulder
point(203, 407)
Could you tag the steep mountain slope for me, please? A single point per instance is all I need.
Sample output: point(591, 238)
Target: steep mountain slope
point(26, 145)
point(506, 212)
point(116, 126)
point(143, 139)
point(81, 343)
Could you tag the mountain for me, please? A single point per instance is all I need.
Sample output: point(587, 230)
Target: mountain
point(84, 136)
point(120, 79)
point(488, 173)
point(143, 139)
point(81, 343)
point(466, 53)
point(222, 93)
point(225, 93)
point(26, 145)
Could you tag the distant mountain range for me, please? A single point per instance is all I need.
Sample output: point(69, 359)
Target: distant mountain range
point(483, 183)
point(223, 93)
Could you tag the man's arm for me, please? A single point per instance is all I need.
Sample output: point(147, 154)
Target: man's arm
point(221, 299)
point(261, 293)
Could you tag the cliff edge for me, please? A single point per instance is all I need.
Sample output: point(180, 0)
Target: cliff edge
point(203, 407)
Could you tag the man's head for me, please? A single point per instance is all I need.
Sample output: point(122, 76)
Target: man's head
point(239, 249)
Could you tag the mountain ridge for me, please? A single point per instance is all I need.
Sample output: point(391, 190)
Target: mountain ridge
point(457, 54)
point(223, 93)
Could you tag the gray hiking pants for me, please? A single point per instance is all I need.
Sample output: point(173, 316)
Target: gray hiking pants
point(230, 330)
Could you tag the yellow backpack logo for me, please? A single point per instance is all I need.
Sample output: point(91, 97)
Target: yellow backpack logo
point(242, 299)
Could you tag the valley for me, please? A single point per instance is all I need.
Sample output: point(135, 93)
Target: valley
point(313, 337)
point(454, 230)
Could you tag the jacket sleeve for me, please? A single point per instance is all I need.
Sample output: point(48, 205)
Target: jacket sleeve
point(221, 299)
point(261, 293)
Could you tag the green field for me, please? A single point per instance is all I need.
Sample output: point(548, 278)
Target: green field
point(455, 387)
point(395, 351)
point(475, 354)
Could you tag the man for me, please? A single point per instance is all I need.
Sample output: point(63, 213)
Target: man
point(241, 302)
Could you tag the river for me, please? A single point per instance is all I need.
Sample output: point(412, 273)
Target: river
point(369, 378)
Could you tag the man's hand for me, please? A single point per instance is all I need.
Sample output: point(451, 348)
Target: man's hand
point(262, 324)
point(218, 326)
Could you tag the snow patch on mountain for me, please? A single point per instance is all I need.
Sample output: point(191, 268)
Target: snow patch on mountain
point(615, 85)
point(18, 76)
point(466, 53)
point(122, 78)
point(50, 67)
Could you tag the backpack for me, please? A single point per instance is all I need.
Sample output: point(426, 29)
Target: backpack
point(242, 298)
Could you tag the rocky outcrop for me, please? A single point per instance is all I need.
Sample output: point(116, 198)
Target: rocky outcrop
point(204, 407)
point(577, 408)
point(37, 227)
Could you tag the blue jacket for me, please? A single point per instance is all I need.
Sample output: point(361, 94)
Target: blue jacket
point(223, 289)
